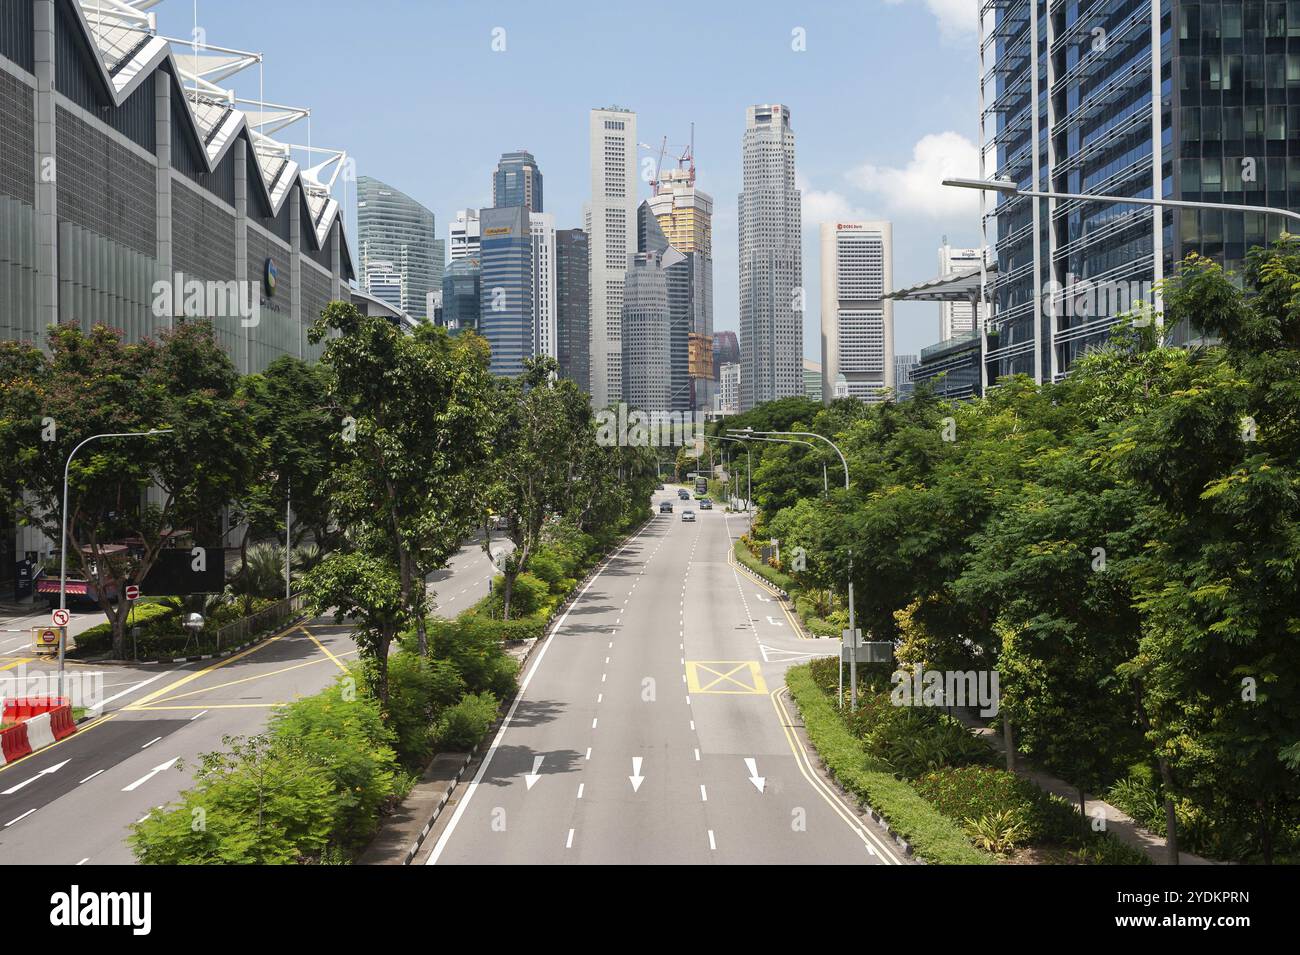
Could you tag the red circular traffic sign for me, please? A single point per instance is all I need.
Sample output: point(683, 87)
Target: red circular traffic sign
point(132, 592)
point(60, 617)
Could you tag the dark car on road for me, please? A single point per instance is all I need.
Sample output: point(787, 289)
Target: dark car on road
point(683, 494)
point(705, 504)
point(665, 507)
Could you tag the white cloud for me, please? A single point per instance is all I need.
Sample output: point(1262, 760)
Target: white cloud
point(820, 206)
point(916, 188)
point(958, 19)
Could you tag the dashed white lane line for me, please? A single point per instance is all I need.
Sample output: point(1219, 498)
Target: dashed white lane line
point(593, 722)
point(600, 697)
point(588, 756)
point(581, 787)
point(697, 755)
point(22, 817)
point(704, 793)
point(712, 843)
point(568, 843)
point(91, 776)
point(151, 742)
point(84, 861)
point(197, 715)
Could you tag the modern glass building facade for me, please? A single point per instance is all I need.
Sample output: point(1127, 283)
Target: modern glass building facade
point(647, 364)
point(518, 182)
point(394, 228)
point(573, 305)
point(461, 295)
point(1129, 98)
point(506, 288)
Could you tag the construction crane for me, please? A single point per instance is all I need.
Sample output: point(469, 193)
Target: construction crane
point(686, 156)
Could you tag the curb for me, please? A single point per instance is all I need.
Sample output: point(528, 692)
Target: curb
point(289, 624)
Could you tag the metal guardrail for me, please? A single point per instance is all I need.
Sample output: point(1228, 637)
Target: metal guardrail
point(280, 612)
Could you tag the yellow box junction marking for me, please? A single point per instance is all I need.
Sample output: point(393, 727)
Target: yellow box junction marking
point(725, 676)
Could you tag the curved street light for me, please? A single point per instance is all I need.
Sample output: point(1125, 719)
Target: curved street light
point(63, 534)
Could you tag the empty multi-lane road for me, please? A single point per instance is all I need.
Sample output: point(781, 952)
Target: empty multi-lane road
point(652, 728)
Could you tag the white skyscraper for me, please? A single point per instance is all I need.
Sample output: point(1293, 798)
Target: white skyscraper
point(542, 227)
point(611, 219)
point(464, 235)
point(857, 264)
point(771, 260)
point(956, 317)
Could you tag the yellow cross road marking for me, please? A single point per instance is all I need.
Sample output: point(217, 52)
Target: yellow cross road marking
point(725, 676)
point(18, 662)
point(323, 649)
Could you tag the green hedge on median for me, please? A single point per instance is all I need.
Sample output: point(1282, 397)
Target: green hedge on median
point(933, 836)
point(770, 574)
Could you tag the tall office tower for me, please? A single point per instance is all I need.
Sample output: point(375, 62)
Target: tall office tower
point(506, 288)
point(771, 260)
point(541, 226)
point(1214, 126)
point(517, 182)
point(857, 318)
point(611, 218)
point(956, 317)
point(573, 305)
point(726, 350)
point(393, 227)
point(903, 365)
point(647, 366)
point(464, 235)
point(685, 217)
point(677, 273)
point(461, 294)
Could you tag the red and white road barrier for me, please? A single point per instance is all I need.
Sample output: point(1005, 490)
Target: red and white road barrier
point(42, 721)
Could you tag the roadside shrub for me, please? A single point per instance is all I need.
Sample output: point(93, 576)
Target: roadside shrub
point(473, 646)
point(98, 639)
point(344, 734)
point(1001, 832)
point(546, 567)
point(461, 726)
point(974, 792)
point(262, 803)
point(419, 688)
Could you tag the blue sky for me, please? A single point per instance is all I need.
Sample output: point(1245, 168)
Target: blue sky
point(883, 102)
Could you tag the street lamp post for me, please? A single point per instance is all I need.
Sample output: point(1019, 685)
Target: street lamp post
point(748, 463)
point(1009, 188)
point(853, 649)
point(63, 531)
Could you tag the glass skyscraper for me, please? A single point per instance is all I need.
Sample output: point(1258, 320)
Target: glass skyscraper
point(517, 182)
point(393, 228)
point(506, 289)
point(1193, 103)
point(573, 305)
point(461, 295)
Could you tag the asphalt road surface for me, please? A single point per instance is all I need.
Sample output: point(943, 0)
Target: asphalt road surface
point(73, 802)
point(653, 728)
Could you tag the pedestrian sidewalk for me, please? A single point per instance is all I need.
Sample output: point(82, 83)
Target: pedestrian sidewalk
point(1121, 826)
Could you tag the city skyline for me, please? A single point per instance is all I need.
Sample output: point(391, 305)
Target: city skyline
point(845, 171)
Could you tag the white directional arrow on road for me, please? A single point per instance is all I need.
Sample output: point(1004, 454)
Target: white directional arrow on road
point(636, 776)
point(752, 765)
point(774, 622)
point(150, 775)
point(44, 772)
point(766, 600)
point(531, 778)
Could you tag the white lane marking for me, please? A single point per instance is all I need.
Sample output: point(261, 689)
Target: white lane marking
point(692, 725)
point(84, 861)
point(593, 722)
point(581, 786)
point(600, 697)
point(530, 779)
point(27, 782)
point(21, 818)
point(704, 793)
point(602, 677)
point(505, 724)
point(91, 776)
point(568, 843)
point(712, 843)
point(133, 688)
point(697, 755)
point(636, 778)
point(151, 742)
point(588, 756)
point(150, 775)
point(197, 715)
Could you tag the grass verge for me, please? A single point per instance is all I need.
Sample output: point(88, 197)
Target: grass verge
point(933, 836)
